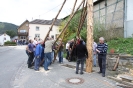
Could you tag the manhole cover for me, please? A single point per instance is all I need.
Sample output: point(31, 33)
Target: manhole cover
point(75, 80)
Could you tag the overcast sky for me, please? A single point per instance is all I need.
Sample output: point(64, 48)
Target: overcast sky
point(17, 11)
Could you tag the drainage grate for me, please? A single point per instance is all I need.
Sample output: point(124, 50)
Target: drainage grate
point(75, 80)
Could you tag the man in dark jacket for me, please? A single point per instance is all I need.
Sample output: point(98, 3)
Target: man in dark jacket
point(82, 54)
point(102, 52)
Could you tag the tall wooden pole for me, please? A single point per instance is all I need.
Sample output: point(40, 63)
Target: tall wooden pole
point(72, 15)
point(64, 32)
point(54, 20)
point(89, 35)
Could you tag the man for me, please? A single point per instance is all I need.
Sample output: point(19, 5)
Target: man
point(38, 52)
point(67, 49)
point(102, 52)
point(82, 54)
point(47, 53)
point(94, 54)
point(60, 53)
point(31, 53)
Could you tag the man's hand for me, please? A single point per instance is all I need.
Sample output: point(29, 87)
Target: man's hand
point(97, 50)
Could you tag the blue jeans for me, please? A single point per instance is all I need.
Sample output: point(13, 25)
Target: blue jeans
point(47, 58)
point(52, 56)
point(36, 63)
point(94, 59)
point(60, 55)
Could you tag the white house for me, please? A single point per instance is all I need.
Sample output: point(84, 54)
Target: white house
point(39, 28)
point(4, 38)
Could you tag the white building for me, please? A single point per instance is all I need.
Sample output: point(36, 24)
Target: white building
point(39, 28)
point(4, 38)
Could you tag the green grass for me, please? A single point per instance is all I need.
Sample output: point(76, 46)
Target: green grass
point(121, 45)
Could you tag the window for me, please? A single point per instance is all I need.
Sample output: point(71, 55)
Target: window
point(27, 25)
point(22, 31)
point(4, 38)
point(37, 35)
point(21, 37)
point(37, 28)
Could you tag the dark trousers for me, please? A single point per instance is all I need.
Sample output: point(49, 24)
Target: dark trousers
point(67, 51)
point(102, 63)
point(30, 60)
point(80, 61)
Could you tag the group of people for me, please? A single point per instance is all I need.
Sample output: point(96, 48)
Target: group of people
point(79, 51)
point(42, 54)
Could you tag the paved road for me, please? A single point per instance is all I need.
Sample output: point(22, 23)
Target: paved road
point(15, 74)
point(11, 59)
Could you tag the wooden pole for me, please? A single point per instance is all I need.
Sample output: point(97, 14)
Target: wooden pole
point(54, 20)
point(89, 35)
point(63, 31)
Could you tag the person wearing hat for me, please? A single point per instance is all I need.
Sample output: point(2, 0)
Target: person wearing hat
point(38, 52)
point(102, 52)
point(81, 54)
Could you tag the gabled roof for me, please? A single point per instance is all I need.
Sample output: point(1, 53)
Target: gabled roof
point(45, 22)
point(22, 23)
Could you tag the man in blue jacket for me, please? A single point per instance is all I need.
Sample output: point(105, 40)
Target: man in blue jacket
point(38, 52)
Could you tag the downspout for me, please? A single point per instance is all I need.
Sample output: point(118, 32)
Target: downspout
point(125, 18)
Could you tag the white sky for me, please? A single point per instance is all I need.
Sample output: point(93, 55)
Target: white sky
point(17, 11)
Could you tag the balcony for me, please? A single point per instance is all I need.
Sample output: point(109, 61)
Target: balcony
point(22, 33)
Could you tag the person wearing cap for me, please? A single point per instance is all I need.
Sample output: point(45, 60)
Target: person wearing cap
point(102, 52)
point(81, 54)
point(38, 52)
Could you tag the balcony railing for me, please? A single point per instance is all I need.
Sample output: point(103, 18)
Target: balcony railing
point(22, 33)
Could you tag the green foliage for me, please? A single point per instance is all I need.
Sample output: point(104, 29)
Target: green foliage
point(121, 45)
point(8, 43)
point(8, 27)
point(11, 33)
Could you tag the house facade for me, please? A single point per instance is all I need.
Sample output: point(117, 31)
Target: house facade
point(4, 38)
point(23, 31)
point(118, 13)
point(39, 29)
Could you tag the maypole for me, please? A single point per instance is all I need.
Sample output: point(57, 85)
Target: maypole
point(89, 35)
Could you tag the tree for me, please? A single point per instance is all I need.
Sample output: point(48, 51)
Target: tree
point(11, 33)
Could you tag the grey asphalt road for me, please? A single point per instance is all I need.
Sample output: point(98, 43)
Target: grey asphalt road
point(11, 59)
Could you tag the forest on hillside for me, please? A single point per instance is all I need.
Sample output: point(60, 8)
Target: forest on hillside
point(9, 28)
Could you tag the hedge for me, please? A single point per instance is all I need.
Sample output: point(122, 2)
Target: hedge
point(8, 43)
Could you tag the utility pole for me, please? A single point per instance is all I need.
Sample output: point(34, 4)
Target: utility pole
point(89, 35)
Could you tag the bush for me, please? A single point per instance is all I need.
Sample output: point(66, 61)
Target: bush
point(121, 45)
point(8, 43)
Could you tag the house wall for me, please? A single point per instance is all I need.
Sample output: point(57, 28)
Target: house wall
point(43, 30)
point(128, 18)
point(110, 13)
point(25, 26)
point(3, 37)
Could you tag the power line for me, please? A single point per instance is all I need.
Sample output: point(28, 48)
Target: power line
point(48, 11)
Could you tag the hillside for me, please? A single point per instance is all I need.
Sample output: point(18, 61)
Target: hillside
point(7, 27)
